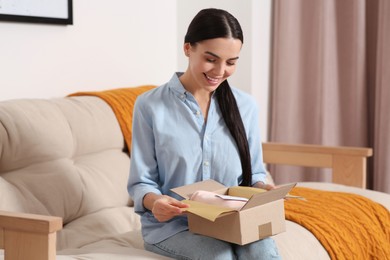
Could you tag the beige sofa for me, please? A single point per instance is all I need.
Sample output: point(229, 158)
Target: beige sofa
point(63, 178)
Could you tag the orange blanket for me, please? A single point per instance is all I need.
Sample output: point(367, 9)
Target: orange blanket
point(122, 102)
point(349, 226)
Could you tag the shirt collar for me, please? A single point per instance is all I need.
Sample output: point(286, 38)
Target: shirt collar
point(178, 88)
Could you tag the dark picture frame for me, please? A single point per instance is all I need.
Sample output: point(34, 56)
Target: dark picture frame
point(32, 11)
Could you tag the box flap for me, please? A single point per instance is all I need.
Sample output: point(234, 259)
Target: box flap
point(207, 185)
point(262, 198)
point(207, 211)
point(244, 191)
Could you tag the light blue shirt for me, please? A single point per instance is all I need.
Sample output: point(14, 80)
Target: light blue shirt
point(173, 146)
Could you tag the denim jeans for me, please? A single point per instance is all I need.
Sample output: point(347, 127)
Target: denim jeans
point(186, 245)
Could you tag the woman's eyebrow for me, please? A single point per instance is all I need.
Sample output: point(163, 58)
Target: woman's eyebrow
point(216, 56)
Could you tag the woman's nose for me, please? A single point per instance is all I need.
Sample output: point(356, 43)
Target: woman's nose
point(220, 68)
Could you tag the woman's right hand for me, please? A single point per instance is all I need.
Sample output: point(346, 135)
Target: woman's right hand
point(164, 207)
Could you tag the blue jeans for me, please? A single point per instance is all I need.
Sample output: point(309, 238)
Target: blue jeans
point(186, 245)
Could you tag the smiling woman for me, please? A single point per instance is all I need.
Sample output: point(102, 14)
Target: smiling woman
point(201, 112)
point(211, 62)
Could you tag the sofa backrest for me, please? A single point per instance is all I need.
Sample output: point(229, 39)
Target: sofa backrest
point(63, 157)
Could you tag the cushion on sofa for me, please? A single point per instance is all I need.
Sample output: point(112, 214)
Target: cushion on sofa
point(61, 157)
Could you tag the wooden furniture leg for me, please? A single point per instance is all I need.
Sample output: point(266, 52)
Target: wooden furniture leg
point(28, 236)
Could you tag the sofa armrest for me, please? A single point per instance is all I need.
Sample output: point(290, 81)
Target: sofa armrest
point(28, 236)
point(348, 164)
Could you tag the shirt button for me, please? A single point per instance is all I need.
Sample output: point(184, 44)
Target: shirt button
point(197, 113)
point(182, 96)
point(206, 163)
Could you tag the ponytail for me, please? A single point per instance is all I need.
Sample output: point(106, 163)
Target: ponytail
point(233, 120)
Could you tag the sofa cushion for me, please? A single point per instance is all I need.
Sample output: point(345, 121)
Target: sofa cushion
point(111, 226)
point(61, 157)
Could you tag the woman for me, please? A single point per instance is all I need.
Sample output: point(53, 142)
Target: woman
point(193, 128)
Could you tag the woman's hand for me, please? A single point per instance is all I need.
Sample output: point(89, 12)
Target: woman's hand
point(264, 186)
point(164, 207)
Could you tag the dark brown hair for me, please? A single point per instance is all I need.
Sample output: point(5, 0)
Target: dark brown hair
point(216, 23)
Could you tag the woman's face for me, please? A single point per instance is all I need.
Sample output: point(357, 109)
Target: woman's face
point(211, 62)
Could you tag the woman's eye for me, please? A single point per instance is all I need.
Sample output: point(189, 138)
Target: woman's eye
point(210, 60)
point(230, 63)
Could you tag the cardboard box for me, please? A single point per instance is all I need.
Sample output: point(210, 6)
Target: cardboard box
point(261, 216)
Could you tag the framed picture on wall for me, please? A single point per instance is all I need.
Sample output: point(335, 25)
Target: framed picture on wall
point(37, 11)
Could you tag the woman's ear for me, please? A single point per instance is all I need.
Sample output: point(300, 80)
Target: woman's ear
point(187, 47)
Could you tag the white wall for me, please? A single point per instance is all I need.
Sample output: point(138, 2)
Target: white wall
point(122, 44)
point(252, 74)
point(113, 44)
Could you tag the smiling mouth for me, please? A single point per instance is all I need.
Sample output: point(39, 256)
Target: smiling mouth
point(212, 80)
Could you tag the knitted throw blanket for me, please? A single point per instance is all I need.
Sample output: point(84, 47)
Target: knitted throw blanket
point(349, 226)
point(121, 101)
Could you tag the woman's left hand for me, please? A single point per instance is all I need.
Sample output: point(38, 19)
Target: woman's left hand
point(264, 186)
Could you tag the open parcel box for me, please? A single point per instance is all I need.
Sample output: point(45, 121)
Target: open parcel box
point(261, 216)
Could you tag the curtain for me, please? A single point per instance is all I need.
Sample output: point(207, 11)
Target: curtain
point(330, 81)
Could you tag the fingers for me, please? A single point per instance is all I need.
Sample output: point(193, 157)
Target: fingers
point(167, 207)
point(270, 187)
point(179, 204)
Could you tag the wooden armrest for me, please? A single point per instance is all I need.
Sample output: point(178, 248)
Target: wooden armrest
point(28, 236)
point(348, 164)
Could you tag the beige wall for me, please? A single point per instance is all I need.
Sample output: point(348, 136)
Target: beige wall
point(125, 43)
point(111, 44)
